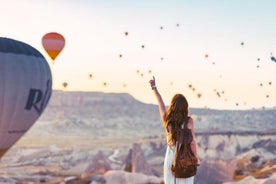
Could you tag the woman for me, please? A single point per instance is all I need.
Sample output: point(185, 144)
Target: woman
point(172, 119)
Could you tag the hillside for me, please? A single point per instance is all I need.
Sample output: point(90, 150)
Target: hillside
point(92, 111)
point(79, 131)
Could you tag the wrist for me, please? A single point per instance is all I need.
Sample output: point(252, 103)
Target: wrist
point(153, 87)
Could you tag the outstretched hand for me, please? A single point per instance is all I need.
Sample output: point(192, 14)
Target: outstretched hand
point(152, 82)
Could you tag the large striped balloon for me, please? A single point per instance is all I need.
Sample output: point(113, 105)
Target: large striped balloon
point(53, 44)
point(25, 89)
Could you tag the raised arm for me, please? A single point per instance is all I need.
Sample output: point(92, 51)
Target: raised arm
point(161, 105)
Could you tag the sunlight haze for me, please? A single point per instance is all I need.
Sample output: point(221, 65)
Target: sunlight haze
point(221, 48)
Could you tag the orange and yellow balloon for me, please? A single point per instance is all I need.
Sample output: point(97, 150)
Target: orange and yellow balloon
point(53, 43)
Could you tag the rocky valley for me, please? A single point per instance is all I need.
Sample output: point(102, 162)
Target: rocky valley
point(93, 137)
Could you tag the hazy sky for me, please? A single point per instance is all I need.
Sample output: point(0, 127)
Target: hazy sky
point(176, 36)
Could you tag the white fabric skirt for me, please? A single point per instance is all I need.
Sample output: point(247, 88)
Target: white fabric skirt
point(168, 176)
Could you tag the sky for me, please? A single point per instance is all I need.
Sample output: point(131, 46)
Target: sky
point(215, 52)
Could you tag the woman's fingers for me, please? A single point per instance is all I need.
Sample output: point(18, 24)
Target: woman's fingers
point(152, 80)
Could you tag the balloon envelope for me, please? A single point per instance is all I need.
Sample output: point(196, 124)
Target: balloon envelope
point(64, 84)
point(53, 44)
point(25, 89)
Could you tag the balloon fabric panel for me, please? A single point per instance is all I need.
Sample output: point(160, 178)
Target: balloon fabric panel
point(25, 89)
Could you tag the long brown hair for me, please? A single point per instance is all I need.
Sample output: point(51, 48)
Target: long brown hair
point(175, 116)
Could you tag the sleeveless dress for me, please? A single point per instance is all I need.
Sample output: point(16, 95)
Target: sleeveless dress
point(168, 176)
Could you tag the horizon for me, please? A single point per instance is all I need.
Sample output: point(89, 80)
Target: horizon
point(148, 103)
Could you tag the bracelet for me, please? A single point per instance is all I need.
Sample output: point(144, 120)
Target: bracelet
point(153, 87)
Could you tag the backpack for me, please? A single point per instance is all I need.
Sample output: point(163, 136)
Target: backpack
point(185, 162)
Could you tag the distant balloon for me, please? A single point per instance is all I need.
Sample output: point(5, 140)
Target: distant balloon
point(25, 89)
point(258, 59)
point(90, 76)
point(273, 58)
point(242, 43)
point(126, 33)
point(143, 46)
point(120, 55)
point(64, 84)
point(177, 25)
point(198, 95)
point(206, 55)
point(53, 44)
point(270, 83)
point(161, 27)
point(104, 84)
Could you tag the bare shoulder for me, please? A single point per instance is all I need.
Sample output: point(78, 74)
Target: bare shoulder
point(190, 124)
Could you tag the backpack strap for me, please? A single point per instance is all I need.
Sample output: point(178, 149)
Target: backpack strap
point(181, 136)
point(186, 122)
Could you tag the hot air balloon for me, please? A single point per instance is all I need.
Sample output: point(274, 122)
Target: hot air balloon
point(64, 84)
point(53, 44)
point(25, 89)
point(273, 58)
point(199, 95)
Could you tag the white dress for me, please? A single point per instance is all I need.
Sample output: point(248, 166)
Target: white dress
point(168, 176)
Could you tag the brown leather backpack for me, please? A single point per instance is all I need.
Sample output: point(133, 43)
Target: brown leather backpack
point(185, 162)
